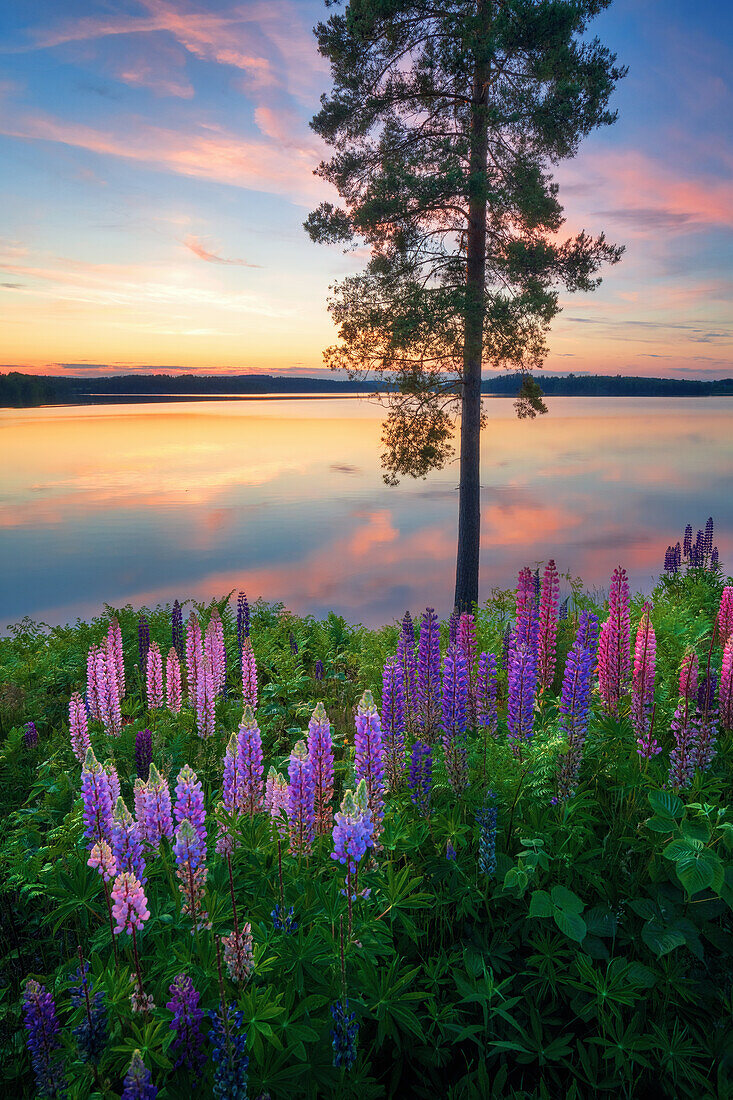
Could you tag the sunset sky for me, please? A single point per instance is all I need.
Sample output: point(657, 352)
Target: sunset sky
point(157, 168)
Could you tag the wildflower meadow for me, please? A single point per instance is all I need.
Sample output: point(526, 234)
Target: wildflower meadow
point(247, 854)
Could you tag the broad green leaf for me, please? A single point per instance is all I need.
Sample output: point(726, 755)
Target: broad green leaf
point(666, 804)
point(540, 904)
point(695, 872)
point(566, 899)
point(660, 939)
point(678, 849)
point(570, 924)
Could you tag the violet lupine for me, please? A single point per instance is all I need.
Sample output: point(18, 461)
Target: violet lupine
point(369, 757)
point(269, 789)
point(173, 682)
point(320, 754)
point(143, 753)
point(190, 854)
point(140, 794)
point(130, 906)
point(242, 620)
point(706, 721)
point(486, 688)
point(232, 797)
point(194, 655)
point(205, 699)
point(575, 702)
point(93, 689)
point(97, 800)
point(279, 804)
point(393, 722)
point(301, 800)
point(525, 627)
point(154, 677)
point(138, 1081)
point(684, 729)
point(614, 649)
point(102, 859)
point(249, 742)
point(127, 843)
point(157, 810)
point(187, 1016)
point(421, 775)
point(114, 780)
point(522, 692)
point(30, 735)
point(406, 658)
point(92, 1032)
point(238, 954)
point(114, 650)
point(107, 695)
point(467, 644)
point(642, 697)
point(548, 619)
point(353, 832)
point(455, 718)
point(78, 729)
point(177, 634)
point(453, 627)
point(428, 676)
point(726, 686)
point(687, 541)
point(189, 804)
point(319, 671)
point(41, 1023)
point(249, 675)
point(143, 641)
point(725, 615)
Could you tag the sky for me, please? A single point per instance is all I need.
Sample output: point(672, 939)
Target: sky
point(158, 166)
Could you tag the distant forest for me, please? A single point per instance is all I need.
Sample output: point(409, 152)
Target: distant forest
point(23, 390)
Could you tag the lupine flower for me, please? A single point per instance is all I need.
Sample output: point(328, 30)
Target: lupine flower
point(232, 795)
point(138, 1081)
point(97, 799)
point(130, 908)
point(189, 804)
point(687, 543)
point(301, 796)
point(352, 832)
point(191, 872)
point(406, 659)
point(428, 676)
point(219, 653)
point(102, 859)
point(453, 627)
point(249, 675)
point(343, 1035)
point(143, 753)
point(114, 780)
point(575, 702)
point(369, 757)
point(726, 686)
point(642, 698)
point(91, 1033)
point(450, 852)
point(614, 660)
point(242, 620)
point(283, 920)
point(548, 619)
point(522, 691)
point(486, 685)
point(280, 803)
point(393, 722)
point(78, 731)
point(455, 718)
point(178, 640)
point(467, 645)
point(140, 793)
point(269, 788)
point(525, 627)
point(320, 754)
point(684, 729)
point(42, 1025)
point(173, 682)
point(318, 671)
point(93, 690)
point(107, 699)
point(194, 655)
point(706, 721)
point(421, 775)
point(506, 645)
point(205, 699)
point(229, 1041)
point(293, 644)
point(186, 1022)
point(249, 746)
point(30, 735)
point(238, 956)
point(708, 540)
point(563, 613)
point(115, 655)
point(127, 842)
point(143, 641)
point(725, 615)
point(157, 809)
point(486, 821)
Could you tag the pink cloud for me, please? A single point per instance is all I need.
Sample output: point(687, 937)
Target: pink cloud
point(196, 245)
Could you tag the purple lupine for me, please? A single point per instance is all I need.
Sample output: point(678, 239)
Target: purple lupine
point(421, 775)
point(614, 653)
point(140, 794)
point(242, 620)
point(189, 804)
point(127, 843)
point(453, 627)
point(78, 730)
point(97, 800)
point(279, 801)
point(406, 659)
point(506, 645)
point(114, 780)
point(548, 619)
point(687, 541)
point(428, 676)
point(320, 753)
point(41, 1023)
point(318, 671)
point(191, 872)
point(178, 638)
point(238, 954)
point(249, 742)
point(642, 698)
point(525, 627)
point(143, 753)
point(706, 720)
point(30, 735)
point(353, 832)
point(393, 722)
point(682, 756)
point(726, 686)
point(187, 1016)
point(369, 757)
point(91, 1033)
point(249, 675)
point(114, 648)
point(219, 663)
point(157, 809)
point(194, 656)
point(293, 644)
point(301, 800)
point(521, 695)
point(575, 702)
point(205, 699)
point(232, 796)
point(467, 644)
point(173, 682)
point(724, 620)
point(486, 688)
point(708, 537)
point(93, 689)
point(138, 1081)
point(107, 694)
point(455, 718)
point(143, 641)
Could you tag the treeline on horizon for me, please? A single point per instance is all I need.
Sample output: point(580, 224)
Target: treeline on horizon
point(19, 390)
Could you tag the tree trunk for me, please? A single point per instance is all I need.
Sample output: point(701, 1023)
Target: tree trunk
point(469, 489)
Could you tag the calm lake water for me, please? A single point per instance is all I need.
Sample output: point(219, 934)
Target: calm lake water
point(284, 498)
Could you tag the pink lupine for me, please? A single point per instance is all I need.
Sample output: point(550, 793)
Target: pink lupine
point(249, 747)
point(684, 726)
point(279, 803)
point(725, 615)
point(173, 682)
point(114, 647)
point(103, 860)
point(269, 789)
point(320, 752)
point(154, 676)
point(548, 619)
point(214, 653)
point(93, 693)
point(526, 608)
point(78, 731)
point(114, 780)
point(193, 655)
point(614, 649)
point(725, 701)
point(205, 700)
point(249, 675)
point(140, 794)
point(130, 909)
point(108, 697)
point(642, 698)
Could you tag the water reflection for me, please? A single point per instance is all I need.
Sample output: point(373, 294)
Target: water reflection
point(146, 503)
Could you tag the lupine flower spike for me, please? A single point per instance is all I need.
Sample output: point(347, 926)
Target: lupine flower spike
point(157, 810)
point(706, 720)
point(138, 1081)
point(143, 753)
point(406, 659)
point(467, 645)
point(97, 799)
point(177, 634)
point(320, 754)
point(421, 775)
point(205, 699)
point(393, 722)
point(614, 661)
point(91, 1033)
point(78, 732)
point(173, 682)
point(428, 677)
point(486, 687)
point(725, 615)
point(187, 1016)
point(548, 619)
point(486, 819)
point(301, 801)
point(194, 656)
point(642, 700)
point(143, 641)
point(726, 686)
point(191, 872)
point(189, 805)
point(249, 675)
point(249, 746)
point(127, 843)
point(114, 650)
point(30, 735)
point(575, 702)
point(154, 677)
point(369, 757)
point(42, 1025)
point(522, 683)
point(684, 729)
point(455, 718)
point(242, 619)
point(238, 956)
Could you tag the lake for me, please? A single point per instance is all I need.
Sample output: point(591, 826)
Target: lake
point(146, 503)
